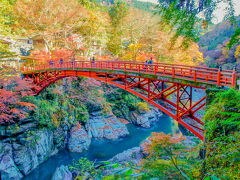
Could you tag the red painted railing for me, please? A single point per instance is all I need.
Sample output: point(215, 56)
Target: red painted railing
point(193, 73)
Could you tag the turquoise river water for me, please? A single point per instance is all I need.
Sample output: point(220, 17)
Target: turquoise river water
point(103, 149)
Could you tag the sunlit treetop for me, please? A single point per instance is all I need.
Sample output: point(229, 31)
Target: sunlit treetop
point(182, 16)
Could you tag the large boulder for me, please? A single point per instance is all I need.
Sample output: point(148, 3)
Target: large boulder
point(38, 148)
point(62, 173)
point(145, 119)
point(109, 127)
point(8, 169)
point(79, 140)
point(133, 155)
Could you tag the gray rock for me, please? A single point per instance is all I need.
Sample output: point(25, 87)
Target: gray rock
point(108, 127)
point(79, 140)
point(59, 137)
point(30, 155)
point(24, 127)
point(145, 119)
point(133, 155)
point(19, 128)
point(8, 169)
point(62, 173)
point(190, 141)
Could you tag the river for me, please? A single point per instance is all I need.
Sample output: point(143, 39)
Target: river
point(102, 149)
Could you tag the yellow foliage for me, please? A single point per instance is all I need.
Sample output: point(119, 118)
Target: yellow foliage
point(237, 53)
point(55, 119)
point(142, 107)
point(134, 47)
point(225, 52)
point(133, 52)
point(177, 54)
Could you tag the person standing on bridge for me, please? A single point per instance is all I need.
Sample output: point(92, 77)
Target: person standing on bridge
point(93, 61)
point(51, 63)
point(73, 62)
point(146, 64)
point(61, 61)
point(150, 62)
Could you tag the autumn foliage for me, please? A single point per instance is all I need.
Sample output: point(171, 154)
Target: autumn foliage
point(160, 140)
point(166, 157)
point(12, 90)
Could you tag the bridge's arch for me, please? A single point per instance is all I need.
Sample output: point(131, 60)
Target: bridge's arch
point(166, 86)
point(174, 99)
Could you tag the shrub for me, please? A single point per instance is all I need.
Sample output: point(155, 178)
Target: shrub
point(222, 123)
point(142, 107)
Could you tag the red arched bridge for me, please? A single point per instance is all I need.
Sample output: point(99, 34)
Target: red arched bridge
point(166, 86)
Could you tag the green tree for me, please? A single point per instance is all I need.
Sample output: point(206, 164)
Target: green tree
point(222, 123)
point(116, 12)
point(183, 15)
point(6, 20)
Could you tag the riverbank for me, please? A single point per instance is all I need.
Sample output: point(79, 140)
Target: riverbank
point(103, 149)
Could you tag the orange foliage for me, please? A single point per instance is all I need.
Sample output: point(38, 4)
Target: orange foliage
point(142, 56)
point(30, 106)
point(160, 139)
point(52, 21)
point(62, 53)
point(42, 57)
point(103, 58)
point(176, 54)
point(12, 90)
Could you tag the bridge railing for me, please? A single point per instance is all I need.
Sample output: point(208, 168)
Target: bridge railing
point(193, 73)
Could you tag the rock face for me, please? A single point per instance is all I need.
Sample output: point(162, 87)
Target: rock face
point(145, 119)
point(79, 140)
point(62, 173)
point(108, 127)
point(8, 169)
point(133, 155)
point(60, 136)
point(39, 148)
point(29, 149)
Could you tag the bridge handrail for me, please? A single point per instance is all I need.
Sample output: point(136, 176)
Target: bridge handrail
point(198, 68)
point(195, 73)
point(169, 64)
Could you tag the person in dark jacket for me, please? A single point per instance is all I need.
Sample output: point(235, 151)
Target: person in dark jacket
point(146, 64)
point(50, 63)
point(61, 61)
point(150, 62)
point(93, 61)
point(73, 62)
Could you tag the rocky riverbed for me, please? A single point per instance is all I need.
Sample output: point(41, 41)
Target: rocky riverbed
point(31, 151)
point(18, 158)
point(133, 155)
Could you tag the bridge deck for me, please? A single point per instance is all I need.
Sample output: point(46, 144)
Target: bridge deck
point(166, 86)
point(200, 75)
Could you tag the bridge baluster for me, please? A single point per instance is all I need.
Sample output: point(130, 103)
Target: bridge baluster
point(219, 78)
point(234, 76)
point(173, 72)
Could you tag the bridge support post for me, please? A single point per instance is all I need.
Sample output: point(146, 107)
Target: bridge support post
point(178, 99)
point(149, 89)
